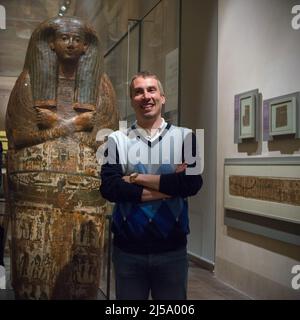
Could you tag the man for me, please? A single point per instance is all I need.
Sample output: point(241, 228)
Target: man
point(145, 174)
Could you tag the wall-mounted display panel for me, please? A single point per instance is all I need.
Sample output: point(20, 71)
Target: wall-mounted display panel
point(268, 187)
point(281, 116)
point(247, 116)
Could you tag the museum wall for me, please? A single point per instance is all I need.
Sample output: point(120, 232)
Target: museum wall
point(199, 40)
point(257, 48)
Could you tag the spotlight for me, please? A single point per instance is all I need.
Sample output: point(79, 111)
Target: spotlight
point(64, 8)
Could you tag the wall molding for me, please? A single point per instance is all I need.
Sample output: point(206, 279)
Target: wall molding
point(201, 262)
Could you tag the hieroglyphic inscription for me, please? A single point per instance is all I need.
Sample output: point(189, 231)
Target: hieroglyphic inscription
point(282, 116)
point(56, 254)
point(283, 190)
point(246, 117)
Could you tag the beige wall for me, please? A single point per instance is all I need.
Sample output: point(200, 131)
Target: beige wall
point(199, 40)
point(257, 49)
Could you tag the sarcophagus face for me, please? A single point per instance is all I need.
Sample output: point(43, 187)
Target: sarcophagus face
point(59, 103)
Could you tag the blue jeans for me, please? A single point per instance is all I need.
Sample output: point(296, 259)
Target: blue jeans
point(162, 274)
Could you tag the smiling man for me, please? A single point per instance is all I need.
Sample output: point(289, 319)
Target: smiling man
point(146, 175)
point(147, 101)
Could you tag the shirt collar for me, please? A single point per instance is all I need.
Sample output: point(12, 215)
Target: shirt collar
point(153, 133)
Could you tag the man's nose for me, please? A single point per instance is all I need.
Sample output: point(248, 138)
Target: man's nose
point(147, 95)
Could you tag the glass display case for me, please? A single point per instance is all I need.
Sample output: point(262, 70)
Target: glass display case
point(136, 35)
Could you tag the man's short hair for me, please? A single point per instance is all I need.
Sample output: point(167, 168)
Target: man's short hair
point(146, 74)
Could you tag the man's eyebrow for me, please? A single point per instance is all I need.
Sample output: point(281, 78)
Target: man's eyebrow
point(142, 88)
point(138, 88)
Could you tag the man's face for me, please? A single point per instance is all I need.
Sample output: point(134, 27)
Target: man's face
point(146, 99)
point(69, 45)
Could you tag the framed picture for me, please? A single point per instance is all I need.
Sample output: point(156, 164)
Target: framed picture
point(281, 116)
point(247, 115)
point(268, 187)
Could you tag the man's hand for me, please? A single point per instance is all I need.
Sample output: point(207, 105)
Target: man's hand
point(126, 179)
point(152, 181)
point(181, 167)
point(150, 195)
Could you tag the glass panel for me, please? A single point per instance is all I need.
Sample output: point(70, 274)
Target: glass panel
point(160, 41)
point(22, 17)
point(121, 64)
point(108, 17)
point(111, 19)
point(159, 31)
point(159, 54)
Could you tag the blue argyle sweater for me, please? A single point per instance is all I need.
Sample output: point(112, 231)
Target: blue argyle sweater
point(153, 226)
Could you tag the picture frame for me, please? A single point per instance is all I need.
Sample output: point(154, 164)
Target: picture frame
point(267, 187)
point(247, 116)
point(281, 116)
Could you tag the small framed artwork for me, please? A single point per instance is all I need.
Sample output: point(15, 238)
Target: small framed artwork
point(247, 115)
point(281, 116)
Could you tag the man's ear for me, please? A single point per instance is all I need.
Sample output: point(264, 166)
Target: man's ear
point(163, 99)
point(51, 45)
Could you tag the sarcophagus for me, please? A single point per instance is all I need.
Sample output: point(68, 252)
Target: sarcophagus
point(59, 103)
